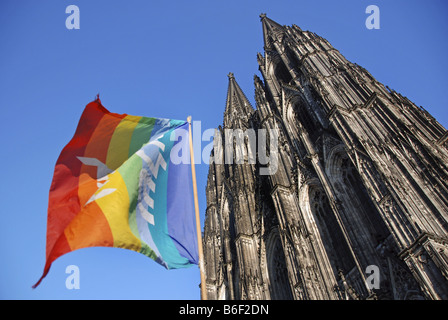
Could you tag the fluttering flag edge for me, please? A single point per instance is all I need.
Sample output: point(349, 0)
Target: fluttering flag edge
point(48, 261)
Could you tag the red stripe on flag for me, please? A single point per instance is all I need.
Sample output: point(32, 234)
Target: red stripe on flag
point(63, 202)
point(60, 247)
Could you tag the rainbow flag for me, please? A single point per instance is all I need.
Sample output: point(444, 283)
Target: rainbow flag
point(116, 184)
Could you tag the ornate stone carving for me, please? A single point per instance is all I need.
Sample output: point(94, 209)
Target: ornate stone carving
point(362, 180)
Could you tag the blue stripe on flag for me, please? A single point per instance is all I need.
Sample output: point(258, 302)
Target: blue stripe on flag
point(167, 225)
point(180, 208)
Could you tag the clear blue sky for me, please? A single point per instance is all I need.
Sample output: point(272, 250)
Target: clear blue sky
point(165, 59)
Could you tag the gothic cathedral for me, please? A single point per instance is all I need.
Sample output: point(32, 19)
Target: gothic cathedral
point(357, 207)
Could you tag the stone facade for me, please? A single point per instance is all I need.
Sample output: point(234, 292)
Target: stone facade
point(362, 181)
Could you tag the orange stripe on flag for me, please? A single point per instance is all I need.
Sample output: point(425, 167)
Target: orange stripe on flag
point(89, 229)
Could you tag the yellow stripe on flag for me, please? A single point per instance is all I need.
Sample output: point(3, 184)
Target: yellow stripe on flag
point(113, 200)
point(118, 151)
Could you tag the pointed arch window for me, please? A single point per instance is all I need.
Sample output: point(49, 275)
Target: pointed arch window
point(331, 234)
point(280, 288)
point(282, 73)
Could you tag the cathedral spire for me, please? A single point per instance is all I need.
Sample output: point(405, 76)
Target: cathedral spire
point(238, 106)
point(271, 30)
point(357, 205)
